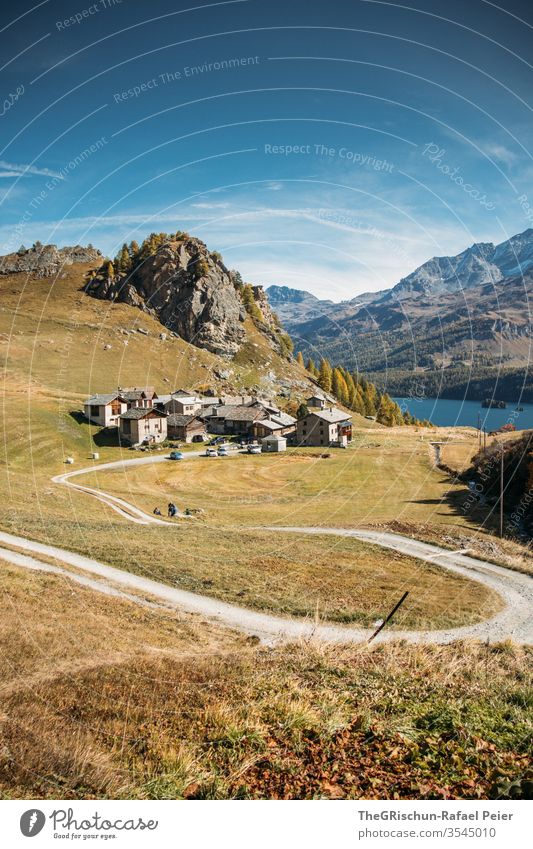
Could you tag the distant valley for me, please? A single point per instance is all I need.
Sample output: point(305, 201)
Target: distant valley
point(457, 326)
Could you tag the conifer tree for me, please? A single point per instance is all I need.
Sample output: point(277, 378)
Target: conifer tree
point(250, 304)
point(123, 260)
point(369, 397)
point(359, 404)
point(338, 386)
point(344, 395)
point(324, 376)
point(350, 385)
point(300, 359)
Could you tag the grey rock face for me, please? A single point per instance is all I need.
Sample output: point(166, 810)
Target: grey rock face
point(188, 290)
point(47, 260)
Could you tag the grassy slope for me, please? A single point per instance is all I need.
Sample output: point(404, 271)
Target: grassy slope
point(101, 699)
point(58, 336)
point(90, 704)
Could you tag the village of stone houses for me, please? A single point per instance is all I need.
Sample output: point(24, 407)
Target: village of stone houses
point(143, 420)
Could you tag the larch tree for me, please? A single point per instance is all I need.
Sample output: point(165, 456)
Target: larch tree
point(324, 376)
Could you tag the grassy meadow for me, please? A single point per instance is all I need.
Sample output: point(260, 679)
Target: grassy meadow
point(101, 698)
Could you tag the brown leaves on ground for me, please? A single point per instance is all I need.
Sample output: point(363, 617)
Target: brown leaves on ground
point(298, 722)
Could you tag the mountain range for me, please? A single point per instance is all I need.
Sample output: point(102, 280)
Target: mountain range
point(457, 325)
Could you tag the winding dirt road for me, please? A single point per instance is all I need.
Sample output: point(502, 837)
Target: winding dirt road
point(516, 590)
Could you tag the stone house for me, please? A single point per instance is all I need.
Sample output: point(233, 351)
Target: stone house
point(323, 428)
point(186, 428)
point(277, 423)
point(142, 425)
point(230, 419)
point(104, 410)
point(139, 397)
point(184, 405)
point(320, 400)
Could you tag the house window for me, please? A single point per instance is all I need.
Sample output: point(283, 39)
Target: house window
point(95, 411)
point(115, 408)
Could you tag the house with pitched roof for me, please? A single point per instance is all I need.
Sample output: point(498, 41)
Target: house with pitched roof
point(329, 427)
point(144, 396)
point(186, 428)
point(140, 425)
point(184, 405)
point(236, 419)
point(321, 400)
point(105, 409)
point(277, 423)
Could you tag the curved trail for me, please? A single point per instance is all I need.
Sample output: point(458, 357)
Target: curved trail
point(516, 590)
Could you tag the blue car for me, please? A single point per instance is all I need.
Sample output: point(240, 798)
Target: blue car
point(176, 455)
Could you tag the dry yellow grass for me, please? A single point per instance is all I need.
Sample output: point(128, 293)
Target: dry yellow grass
point(103, 700)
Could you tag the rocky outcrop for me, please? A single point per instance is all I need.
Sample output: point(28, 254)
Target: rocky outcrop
point(47, 260)
point(188, 289)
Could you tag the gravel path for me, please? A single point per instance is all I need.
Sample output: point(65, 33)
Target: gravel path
point(516, 590)
point(514, 621)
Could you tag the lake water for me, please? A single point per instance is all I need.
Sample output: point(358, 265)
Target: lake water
point(447, 412)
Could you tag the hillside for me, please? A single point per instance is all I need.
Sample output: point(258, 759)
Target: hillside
point(518, 479)
point(454, 320)
point(88, 677)
point(75, 337)
point(190, 291)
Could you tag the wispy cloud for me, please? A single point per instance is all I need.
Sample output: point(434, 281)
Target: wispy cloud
point(500, 152)
point(9, 169)
point(345, 244)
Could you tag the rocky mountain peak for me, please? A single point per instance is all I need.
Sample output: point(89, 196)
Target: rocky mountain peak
point(189, 290)
point(286, 295)
point(47, 260)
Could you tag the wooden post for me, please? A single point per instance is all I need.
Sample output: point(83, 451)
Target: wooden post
point(389, 617)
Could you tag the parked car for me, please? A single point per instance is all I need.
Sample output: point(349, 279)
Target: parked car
point(211, 452)
point(198, 437)
point(176, 455)
point(223, 451)
point(254, 449)
point(218, 440)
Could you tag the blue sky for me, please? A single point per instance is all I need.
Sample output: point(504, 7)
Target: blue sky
point(328, 146)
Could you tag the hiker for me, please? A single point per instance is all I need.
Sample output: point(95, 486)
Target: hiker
point(157, 511)
point(172, 510)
